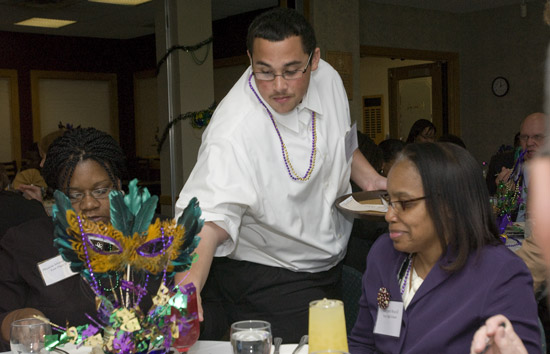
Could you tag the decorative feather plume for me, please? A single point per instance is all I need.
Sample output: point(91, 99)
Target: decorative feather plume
point(121, 217)
point(191, 221)
point(64, 239)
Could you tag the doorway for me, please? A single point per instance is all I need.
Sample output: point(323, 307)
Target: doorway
point(442, 67)
point(416, 92)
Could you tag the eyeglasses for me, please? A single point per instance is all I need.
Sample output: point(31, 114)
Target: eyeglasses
point(100, 193)
point(287, 75)
point(399, 205)
point(538, 138)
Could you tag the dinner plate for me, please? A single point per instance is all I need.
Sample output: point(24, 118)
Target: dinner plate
point(363, 205)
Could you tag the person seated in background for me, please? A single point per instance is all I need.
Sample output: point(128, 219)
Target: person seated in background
point(451, 138)
point(30, 181)
point(390, 148)
point(85, 164)
point(14, 208)
point(504, 158)
point(442, 269)
point(422, 131)
point(532, 136)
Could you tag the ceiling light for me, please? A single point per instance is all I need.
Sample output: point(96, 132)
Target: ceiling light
point(45, 22)
point(122, 2)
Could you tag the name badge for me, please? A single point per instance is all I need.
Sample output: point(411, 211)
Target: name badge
point(351, 141)
point(54, 270)
point(388, 321)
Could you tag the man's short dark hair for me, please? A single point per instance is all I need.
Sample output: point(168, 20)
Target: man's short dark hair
point(279, 24)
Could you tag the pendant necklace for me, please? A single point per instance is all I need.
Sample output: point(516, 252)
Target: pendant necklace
point(286, 159)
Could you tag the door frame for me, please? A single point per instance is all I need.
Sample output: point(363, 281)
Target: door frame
point(453, 91)
point(409, 72)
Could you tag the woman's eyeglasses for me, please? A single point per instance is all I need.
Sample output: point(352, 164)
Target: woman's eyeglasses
point(399, 205)
point(100, 193)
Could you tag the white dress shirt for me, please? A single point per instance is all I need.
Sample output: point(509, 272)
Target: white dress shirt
point(242, 184)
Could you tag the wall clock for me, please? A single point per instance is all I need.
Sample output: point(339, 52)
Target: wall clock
point(500, 86)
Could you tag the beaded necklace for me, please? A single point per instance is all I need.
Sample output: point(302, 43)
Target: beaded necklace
point(95, 285)
point(404, 285)
point(286, 159)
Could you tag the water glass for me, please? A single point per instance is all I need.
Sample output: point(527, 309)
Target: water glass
point(327, 326)
point(28, 336)
point(251, 337)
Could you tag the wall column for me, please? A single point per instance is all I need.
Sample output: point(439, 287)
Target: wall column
point(190, 87)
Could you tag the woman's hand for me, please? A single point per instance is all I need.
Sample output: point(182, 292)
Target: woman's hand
point(503, 175)
point(499, 334)
point(31, 191)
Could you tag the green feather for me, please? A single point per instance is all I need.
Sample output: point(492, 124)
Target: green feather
point(145, 215)
point(59, 210)
point(136, 197)
point(190, 219)
point(121, 218)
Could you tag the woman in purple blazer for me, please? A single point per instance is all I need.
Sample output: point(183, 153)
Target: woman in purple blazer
point(442, 269)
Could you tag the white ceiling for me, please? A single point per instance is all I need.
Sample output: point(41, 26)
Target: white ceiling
point(104, 20)
point(123, 22)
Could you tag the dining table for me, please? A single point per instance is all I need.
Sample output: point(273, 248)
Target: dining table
point(202, 347)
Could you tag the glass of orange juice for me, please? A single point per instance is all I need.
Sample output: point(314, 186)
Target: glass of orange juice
point(327, 326)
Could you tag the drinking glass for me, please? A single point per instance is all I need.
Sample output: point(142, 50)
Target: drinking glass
point(28, 336)
point(183, 343)
point(327, 326)
point(251, 337)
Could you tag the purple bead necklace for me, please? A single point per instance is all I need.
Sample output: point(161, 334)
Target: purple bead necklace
point(95, 286)
point(404, 285)
point(286, 159)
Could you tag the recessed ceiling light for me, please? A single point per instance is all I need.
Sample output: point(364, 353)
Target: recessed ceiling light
point(45, 22)
point(122, 2)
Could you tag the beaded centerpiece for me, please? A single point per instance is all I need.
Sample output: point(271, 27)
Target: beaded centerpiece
point(118, 261)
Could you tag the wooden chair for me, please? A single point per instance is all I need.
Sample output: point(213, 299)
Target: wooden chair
point(10, 168)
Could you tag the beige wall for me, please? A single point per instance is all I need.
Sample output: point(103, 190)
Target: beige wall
point(496, 42)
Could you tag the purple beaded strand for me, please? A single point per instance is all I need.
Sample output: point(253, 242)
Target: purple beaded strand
point(94, 281)
point(286, 159)
point(406, 277)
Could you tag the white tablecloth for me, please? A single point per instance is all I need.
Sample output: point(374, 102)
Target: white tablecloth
point(214, 347)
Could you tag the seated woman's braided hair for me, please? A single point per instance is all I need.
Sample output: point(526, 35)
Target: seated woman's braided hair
point(81, 144)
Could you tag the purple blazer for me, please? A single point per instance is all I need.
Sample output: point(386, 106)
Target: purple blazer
point(448, 308)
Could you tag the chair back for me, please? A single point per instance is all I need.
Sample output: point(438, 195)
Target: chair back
point(351, 292)
point(10, 169)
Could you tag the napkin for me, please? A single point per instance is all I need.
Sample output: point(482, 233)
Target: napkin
point(289, 348)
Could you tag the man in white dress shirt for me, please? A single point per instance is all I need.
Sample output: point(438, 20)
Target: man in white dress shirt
point(277, 153)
